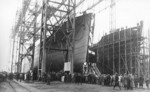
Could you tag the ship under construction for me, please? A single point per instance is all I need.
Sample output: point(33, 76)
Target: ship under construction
point(49, 36)
point(123, 51)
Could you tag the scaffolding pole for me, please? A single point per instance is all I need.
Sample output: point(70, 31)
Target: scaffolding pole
point(113, 55)
point(17, 43)
point(34, 37)
point(12, 55)
point(126, 69)
point(149, 53)
point(119, 53)
point(73, 28)
point(103, 55)
point(44, 38)
point(138, 61)
point(108, 52)
point(18, 56)
point(130, 52)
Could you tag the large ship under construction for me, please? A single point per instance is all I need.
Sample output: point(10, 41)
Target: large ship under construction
point(121, 51)
point(58, 51)
point(53, 38)
point(75, 45)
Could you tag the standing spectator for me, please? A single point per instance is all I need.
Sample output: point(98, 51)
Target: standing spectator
point(48, 78)
point(39, 77)
point(141, 81)
point(136, 81)
point(70, 77)
point(66, 78)
point(147, 82)
point(77, 78)
point(105, 79)
point(120, 80)
point(128, 82)
point(117, 81)
point(89, 78)
point(131, 81)
point(25, 76)
point(113, 80)
point(31, 73)
point(109, 79)
point(80, 78)
point(44, 77)
point(63, 78)
point(17, 76)
point(102, 79)
point(125, 81)
point(21, 75)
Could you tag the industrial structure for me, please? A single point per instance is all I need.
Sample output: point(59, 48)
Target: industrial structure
point(46, 26)
point(37, 25)
point(124, 51)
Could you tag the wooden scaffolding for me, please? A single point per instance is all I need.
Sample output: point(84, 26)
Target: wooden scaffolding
point(123, 51)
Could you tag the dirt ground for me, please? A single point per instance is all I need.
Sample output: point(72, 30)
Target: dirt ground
point(16, 86)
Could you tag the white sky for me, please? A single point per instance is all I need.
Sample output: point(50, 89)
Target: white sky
point(7, 15)
point(128, 13)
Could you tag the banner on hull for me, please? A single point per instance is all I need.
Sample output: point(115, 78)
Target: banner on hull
point(67, 66)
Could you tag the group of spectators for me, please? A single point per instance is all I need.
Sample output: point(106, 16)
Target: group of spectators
point(126, 81)
point(20, 76)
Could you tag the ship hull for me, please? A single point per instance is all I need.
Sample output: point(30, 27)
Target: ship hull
point(55, 59)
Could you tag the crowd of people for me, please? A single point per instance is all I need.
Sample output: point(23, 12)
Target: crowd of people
point(125, 81)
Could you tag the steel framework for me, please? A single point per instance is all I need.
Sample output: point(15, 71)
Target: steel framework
point(37, 22)
point(124, 51)
point(52, 17)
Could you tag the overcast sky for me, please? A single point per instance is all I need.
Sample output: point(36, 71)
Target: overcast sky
point(128, 13)
point(7, 16)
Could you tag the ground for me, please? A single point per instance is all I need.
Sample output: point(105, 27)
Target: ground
point(16, 86)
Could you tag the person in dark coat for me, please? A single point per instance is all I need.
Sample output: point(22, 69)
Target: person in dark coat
point(108, 80)
point(141, 81)
point(136, 81)
point(48, 78)
point(77, 78)
point(80, 78)
point(117, 81)
point(147, 82)
point(44, 77)
point(128, 82)
point(125, 81)
point(131, 81)
point(89, 78)
point(17, 76)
